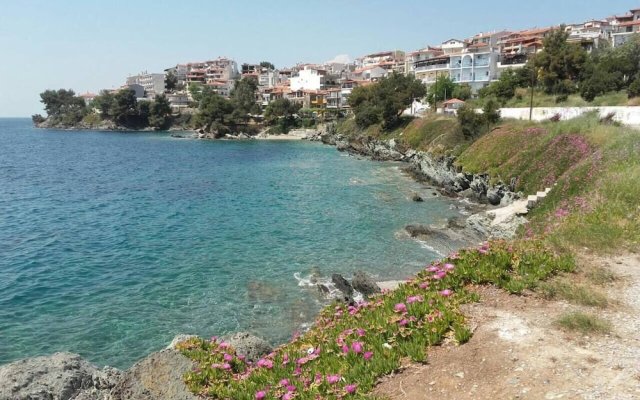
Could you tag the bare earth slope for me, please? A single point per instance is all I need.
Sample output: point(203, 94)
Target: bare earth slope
point(517, 352)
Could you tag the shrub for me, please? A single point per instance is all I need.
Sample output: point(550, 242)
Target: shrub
point(471, 123)
point(583, 323)
point(634, 88)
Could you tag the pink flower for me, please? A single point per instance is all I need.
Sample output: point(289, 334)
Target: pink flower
point(226, 366)
point(297, 371)
point(357, 347)
point(264, 363)
point(449, 267)
point(351, 388)
point(361, 332)
point(291, 388)
point(403, 322)
point(400, 308)
point(285, 359)
point(261, 395)
point(228, 357)
point(446, 292)
point(367, 356)
point(333, 379)
point(414, 299)
point(424, 285)
point(287, 396)
point(440, 275)
point(284, 382)
point(345, 348)
point(223, 345)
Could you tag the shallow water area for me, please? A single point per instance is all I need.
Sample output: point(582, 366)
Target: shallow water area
point(113, 243)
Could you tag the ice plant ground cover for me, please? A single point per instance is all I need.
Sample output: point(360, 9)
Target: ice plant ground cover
point(350, 347)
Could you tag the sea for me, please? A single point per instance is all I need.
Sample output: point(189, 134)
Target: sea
point(113, 243)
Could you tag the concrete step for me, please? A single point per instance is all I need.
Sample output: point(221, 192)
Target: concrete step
point(531, 201)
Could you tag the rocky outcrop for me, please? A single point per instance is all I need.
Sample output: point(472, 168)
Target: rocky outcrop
point(249, 346)
point(364, 284)
point(437, 170)
point(60, 376)
point(157, 377)
point(342, 285)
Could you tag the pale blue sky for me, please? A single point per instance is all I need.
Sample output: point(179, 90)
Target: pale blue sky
point(90, 44)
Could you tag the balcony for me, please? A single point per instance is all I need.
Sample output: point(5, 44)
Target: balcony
point(482, 63)
point(431, 67)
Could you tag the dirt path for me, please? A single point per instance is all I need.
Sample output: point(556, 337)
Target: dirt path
point(518, 353)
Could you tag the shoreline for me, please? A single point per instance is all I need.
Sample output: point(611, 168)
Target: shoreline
point(464, 235)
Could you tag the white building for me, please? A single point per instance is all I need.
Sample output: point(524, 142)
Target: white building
point(153, 84)
point(308, 79)
point(624, 27)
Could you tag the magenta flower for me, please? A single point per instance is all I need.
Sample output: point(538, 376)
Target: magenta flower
point(361, 332)
point(226, 366)
point(284, 382)
point(424, 285)
point(400, 308)
point(285, 359)
point(351, 388)
point(333, 379)
point(367, 356)
point(439, 275)
point(433, 268)
point(357, 347)
point(228, 357)
point(403, 322)
point(264, 363)
point(446, 292)
point(287, 396)
point(291, 388)
point(345, 348)
point(414, 299)
point(261, 395)
point(449, 267)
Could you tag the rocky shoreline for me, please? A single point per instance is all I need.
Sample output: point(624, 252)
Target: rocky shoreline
point(159, 376)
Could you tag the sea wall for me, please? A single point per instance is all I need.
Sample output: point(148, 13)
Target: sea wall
point(624, 115)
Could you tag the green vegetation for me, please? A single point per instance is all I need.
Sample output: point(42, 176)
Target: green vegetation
point(385, 101)
point(349, 347)
point(280, 114)
point(63, 106)
point(171, 81)
point(442, 89)
point(267, 65)
point(563, 74)
point(584, 323)
point(572, 292)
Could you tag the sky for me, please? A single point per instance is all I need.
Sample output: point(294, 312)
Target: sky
point(88, 45)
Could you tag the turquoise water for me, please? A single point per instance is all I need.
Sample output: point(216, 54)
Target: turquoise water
point(112, 243)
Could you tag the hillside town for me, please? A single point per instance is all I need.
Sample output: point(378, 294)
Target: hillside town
point(475, 61)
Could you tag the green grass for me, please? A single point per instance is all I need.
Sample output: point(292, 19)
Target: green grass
point(583, 323)
point(522, 99)
point(437, 134)
point(584, 295)
point(362, 343)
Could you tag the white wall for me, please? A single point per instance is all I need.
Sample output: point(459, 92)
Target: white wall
point(307, 79)
point(625, 115)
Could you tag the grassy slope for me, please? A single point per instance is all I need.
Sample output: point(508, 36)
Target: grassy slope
point(596, 169)
point(436, 134)
point(540, 99)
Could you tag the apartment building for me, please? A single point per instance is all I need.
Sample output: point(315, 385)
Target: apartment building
point(624, 27)
point(517, 47)
point(153, 84)
point(210, 71)
point(309, 78)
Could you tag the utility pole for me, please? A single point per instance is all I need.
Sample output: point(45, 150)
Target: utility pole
point(533, 79)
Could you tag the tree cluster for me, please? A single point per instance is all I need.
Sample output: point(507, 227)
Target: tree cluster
point(63, 106)
point(384, 101)
point(473, 124)
point(125, 110)
point(281, 114)
point(564, 68)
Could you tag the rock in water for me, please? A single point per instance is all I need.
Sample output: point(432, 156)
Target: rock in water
point(418, 230)
point(252, 347)
point(59, 376)
point(416, 197)
point(157, 377)
point(364, 284)
point(342, 285)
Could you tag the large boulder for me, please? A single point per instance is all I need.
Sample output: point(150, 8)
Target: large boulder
point(248, 345)
point(60, 376)
point(364, 284)
point(157, 377)
point(342, 285)
point(418, 230)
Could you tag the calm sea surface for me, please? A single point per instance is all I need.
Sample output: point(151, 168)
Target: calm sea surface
point(112, 243)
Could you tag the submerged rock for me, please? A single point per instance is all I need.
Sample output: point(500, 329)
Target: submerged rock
point(59, 376)
point(248, 345)
point(157, 377)
point(364, 284)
